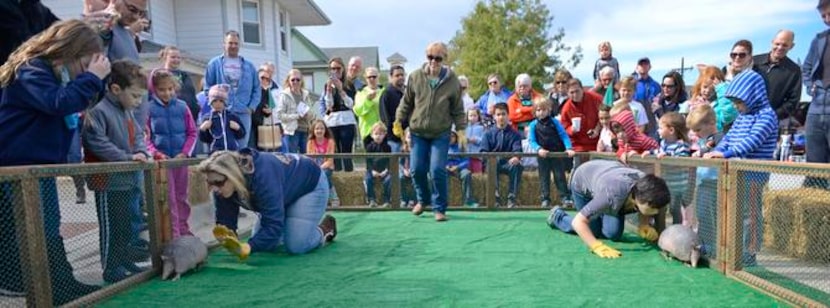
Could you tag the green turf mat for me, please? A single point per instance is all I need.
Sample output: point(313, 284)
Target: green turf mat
point(477, 259)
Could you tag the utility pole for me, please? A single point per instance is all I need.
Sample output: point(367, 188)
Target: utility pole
point(683, 67)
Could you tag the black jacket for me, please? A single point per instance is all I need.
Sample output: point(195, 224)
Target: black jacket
point(20, 21)
point(389, 101)
point(783, 81)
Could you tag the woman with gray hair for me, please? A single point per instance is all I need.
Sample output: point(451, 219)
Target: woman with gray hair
point(288, 191)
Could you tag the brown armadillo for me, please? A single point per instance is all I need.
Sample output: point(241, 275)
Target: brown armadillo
point(680, 242)
point(181, 255)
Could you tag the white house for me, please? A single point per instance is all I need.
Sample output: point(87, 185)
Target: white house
point(197, 28)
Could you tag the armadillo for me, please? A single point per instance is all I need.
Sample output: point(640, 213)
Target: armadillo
point(680, 242)
point(181, 255)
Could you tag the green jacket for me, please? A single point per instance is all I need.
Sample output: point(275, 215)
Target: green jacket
point(367, 110)
point(431, 112)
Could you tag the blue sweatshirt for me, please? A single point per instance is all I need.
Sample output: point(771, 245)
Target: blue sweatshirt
point(247, 94)
point(460, 162)
point(278, 181)
point(32, 111)
point(548, 134)
point(502, 140)
point(755, 132)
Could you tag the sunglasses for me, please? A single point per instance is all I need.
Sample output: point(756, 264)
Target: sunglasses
point(739, 55)
point(336, 69)
point(561, 82)
point(668, 85)
point(463, 88)
point(493, 82)
point(371, 77)
point(295, 80)
point(217, 182)
point(264, 78)
point(436, 58)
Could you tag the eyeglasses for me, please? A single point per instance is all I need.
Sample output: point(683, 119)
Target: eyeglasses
point(668, 85)
point(217, 182)
point(739, 55)
point(436, 58)
point(561, 82)
point(493, 82)
point(371, 77)
point(135, 10)
point(295, 80)
point(336, 69)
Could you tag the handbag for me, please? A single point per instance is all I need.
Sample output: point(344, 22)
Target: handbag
point(269, 135)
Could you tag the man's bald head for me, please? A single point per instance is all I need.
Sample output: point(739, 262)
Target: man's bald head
point(782, 43)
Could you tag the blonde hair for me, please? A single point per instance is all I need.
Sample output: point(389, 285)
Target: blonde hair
point(379, 126)
point(628, 82)
point(676, 121)
point(64, 41)
point(617, 108)
point(234, 166)
point(542, 102)
point(700, 115)
point(286, 84)
point(164, 52)
point(604, 44)
point(439, 47)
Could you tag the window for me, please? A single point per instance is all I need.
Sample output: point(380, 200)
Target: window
point(283, 32)
point(251, 25)
point(308, 81)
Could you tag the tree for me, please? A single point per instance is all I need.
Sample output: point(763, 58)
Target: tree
point(509, 37)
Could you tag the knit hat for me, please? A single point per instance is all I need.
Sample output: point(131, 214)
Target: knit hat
point(218, 92)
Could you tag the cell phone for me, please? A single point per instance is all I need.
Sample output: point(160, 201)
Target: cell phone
point(332, 75)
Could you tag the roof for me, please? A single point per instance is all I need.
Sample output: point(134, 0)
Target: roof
point(313, 48)
point(396, 57)
point(151, 47)
point(305, 13)
point(369, 54)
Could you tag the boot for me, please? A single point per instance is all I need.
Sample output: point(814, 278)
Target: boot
point(329, 228)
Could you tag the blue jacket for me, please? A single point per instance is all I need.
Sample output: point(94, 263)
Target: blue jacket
point(811, 74)
point(500, 98)
point(169, 128)
point(278, 181)
point(460, 162)
point(548, 135)
point(32, 111)
point(755, 132)
point(504, 140)
point(247, 95)
point(474, 130)
point(220, 136)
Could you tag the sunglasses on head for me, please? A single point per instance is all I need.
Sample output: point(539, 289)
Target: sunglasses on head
point(436, 58)
point(739, 55)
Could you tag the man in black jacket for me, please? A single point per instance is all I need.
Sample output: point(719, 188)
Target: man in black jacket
point(783, 78)
point(389, 101)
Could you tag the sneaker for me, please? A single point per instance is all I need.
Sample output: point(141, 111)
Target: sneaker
point(555, 214)
point(418, 209)
point(385, 205)
point(440, 217)
point(545, 204)
point(372, 203)
point(511, 204)
point(329, 228)
point(117, 274)
point(567, 203)
point(471, 204)
point(403, 204)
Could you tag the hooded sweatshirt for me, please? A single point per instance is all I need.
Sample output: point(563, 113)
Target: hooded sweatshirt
point(755, 132)
point(636, 141)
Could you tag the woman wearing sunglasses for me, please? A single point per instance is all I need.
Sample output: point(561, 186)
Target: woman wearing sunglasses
point(288, 191)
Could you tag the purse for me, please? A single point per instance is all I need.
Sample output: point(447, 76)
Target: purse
point(269, 135)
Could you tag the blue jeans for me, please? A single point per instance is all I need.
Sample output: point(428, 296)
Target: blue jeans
point(396, 146)
point(751, 189)
point(245, 117)
point(343, 143)
point(301, 233)
point(602, 226)
point(817, 131)
point(466, 178)
point(557, 167)
point(297, 142)
point(514, 172)
point(115, 232)
point(430, 155)
point(706, 209)
point(369, 186)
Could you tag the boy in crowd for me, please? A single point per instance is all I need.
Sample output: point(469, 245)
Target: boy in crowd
point(502, 138)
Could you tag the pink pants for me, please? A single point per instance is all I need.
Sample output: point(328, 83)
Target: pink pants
point(177, 186)
point(476, 165)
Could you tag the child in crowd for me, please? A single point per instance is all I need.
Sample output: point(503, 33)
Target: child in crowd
point(630, 140)
point(458, 167)
point(111, 134)
point(547, 135)
point(528, 162)
point(475, 131)
point(674, 143)
point(502, 138)
point(405, 174)
point(753, 135)
point(607, 141)
point(627, 88)
point(725, 111)
point(377, 168)
point(221, 129)
point(322, 142)
point(702, 121)
point(171, 133)
point(606, 59)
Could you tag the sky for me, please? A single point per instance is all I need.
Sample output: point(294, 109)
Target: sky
point(699, 31)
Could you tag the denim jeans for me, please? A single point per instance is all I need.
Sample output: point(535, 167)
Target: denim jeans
point(301, 233)
point(514, 172)
point(297, 142)
point(557, 167)
point(369, 186)
point(343, 142)
point(751, 189)
point(603, 226)
point(466, 178)
point(817, 132)
point(430, 156)
point(706, 209)
point(396, 146)
point(245, 118)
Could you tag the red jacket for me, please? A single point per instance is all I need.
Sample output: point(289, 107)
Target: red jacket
point(588, 110)
point(636, 141)
point(519, 113)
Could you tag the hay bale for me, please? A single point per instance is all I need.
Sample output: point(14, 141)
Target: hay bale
point(797, 223)
point(350, 190)
point(197, 188)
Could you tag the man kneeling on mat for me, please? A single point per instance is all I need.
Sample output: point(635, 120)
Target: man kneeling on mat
point(288, 191)
point(604, 192)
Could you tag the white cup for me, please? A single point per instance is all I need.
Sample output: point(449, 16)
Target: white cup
point(576, 124)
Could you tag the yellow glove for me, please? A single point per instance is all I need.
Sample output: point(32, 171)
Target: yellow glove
point(462, 139)
point(228, 239)
point(603, 251)
point(397, 129)
point(222, 233)
point(648, 233)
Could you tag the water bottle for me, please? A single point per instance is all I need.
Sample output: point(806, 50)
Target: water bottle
point(785, 148)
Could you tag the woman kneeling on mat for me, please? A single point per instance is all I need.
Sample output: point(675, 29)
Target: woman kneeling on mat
point(288, 191)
